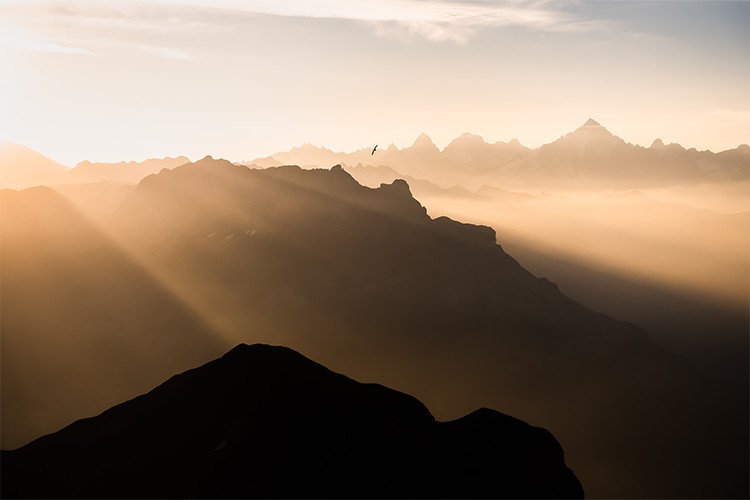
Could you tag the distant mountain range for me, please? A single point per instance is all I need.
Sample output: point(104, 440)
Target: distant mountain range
point(21, 167)
point(589, 158)
point(129, 172)
point(266, 422)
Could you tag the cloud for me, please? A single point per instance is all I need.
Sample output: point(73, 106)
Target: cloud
point(436, 20)
point(144, 26)
point(102, 27)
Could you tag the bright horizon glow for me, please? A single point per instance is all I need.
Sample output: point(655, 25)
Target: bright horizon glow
point(130, 80)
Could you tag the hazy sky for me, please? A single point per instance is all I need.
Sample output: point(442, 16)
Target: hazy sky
point(121, 80)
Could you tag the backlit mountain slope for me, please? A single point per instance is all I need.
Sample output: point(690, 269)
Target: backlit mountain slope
point(372, 286)
point(83, 325)
point(267, 422)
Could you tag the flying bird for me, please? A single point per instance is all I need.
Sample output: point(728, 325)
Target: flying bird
point(373, 150)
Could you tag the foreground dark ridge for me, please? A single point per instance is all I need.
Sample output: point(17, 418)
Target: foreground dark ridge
point(265, 421)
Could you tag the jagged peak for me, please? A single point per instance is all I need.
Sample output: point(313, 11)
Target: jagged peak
point(399, 186)
point(592, 123)
point(591, 127)
point(340, 169)
point(423, 141)
point(207, 161)
point(658, 143)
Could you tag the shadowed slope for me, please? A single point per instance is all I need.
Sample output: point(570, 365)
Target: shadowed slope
point(267, 422)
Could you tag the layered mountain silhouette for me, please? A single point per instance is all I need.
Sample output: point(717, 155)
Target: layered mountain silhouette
point(265, 421)
point(366, 281)
point(590, 157)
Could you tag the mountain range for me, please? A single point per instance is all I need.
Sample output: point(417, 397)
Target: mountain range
point(208, 254)
point(367, 282)
point(588, 158)
point(265, 421)
point(21, 167)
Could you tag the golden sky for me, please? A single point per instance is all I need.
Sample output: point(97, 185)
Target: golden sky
point(127, 80)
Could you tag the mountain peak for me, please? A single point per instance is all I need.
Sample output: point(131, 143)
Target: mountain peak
point(591, 128)
point(198, 434)
point(244, 353)
point(423, 141)
point(468, 139)
point(658, 143)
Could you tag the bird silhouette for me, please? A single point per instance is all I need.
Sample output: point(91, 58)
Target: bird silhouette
point(373, 150)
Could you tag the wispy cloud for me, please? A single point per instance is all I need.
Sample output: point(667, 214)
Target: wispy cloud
point(94, 28)
point(436, 20)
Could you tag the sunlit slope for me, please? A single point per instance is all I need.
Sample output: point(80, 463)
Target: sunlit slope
point(366, 281)
point(83, 325)
point(23, 167)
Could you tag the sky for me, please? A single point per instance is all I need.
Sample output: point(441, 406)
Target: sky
point(119, 80)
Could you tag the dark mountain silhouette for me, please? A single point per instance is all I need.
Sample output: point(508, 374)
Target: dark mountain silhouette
point(265, 421)
point(83, 325)
point(368, 283)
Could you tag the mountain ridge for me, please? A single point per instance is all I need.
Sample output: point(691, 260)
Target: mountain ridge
point(588, 157)
point(245, 425)
point(315, 258)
